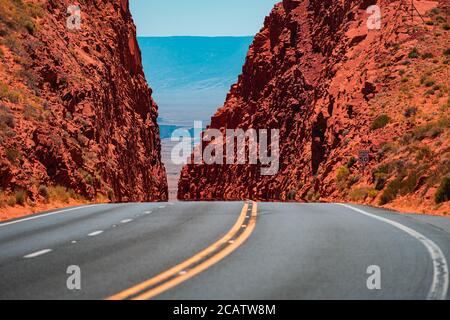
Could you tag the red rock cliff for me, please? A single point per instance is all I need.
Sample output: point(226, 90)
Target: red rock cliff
point(334, 88)
point(76, 109)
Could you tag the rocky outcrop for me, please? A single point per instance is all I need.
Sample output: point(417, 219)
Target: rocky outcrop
point(338, 91)
point(81, 113)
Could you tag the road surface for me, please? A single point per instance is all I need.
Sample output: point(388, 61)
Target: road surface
point(217, 250)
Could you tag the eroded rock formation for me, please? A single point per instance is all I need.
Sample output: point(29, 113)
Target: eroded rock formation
point(335, 88)
point(76, 108)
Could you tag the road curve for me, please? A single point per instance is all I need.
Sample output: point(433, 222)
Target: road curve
point(226, 250)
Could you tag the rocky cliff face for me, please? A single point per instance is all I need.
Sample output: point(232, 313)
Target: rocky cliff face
point(76, 109)
point(336, 90)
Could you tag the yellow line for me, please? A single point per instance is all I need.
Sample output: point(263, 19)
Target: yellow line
point(198, 257)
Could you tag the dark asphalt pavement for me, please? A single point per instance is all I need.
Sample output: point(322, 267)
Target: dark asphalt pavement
point(296, 251)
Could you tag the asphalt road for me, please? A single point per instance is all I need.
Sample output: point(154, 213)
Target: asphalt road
point(220, 250)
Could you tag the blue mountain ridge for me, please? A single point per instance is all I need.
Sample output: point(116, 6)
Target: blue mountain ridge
point(190, 76)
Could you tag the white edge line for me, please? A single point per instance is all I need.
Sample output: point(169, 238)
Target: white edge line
point(126, 221)
point(439, 287)
point(46, 215)
point(37, 254)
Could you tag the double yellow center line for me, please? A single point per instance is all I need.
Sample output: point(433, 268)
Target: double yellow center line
point(203, 260)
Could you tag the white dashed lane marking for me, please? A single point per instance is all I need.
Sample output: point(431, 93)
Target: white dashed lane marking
point(95, 233)
point(92, 234)
point(37, 254)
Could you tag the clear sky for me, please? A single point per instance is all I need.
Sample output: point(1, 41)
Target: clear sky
point(200, 17)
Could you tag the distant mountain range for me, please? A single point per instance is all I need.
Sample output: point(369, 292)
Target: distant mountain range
point(190, 76)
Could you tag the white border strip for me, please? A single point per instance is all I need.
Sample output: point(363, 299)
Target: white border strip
point(439, 287)
point(46, 215)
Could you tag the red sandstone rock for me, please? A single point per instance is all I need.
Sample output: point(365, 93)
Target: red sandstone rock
point(85, 119)
point(316, 73)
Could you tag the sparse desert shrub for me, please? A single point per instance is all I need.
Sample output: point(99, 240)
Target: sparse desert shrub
point(434, 11)
point(409, 184)
point(2, 54)
point(380, 176)
point(446, 26)
point(3, 203)
point(342, 175)
point(17, 14)
point(443, 192)
point(291, 195)
point(361, 194)
point(21, 197)
point(431, 130)
point(111, 196)
point(386, 148)
point(380, 122)
point(312, 196)
point(43, 192)
point(30, 113)
point(6, 118)
point(395, 46)
point(391, 191)
point(11, 201)
point(414, 53)
point(29, 79)
point(429, 83)
point(427, 55)
point(86, 176)
point(410, 112)
point(13, 155)
point(424, 78)
point(4, 90)
point(31, 28)
point(73, 195)
point(60, 194)
point(380, 181)
point(404, 184)
point(447, 52)
point(423, 153)
point(5, 93)
point(384, 169)
point(13, 45)
point(352, 180)
point(445, 106)
point(351, 162)
point(89, 179)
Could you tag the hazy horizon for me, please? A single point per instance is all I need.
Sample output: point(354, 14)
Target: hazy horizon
point(191, 75)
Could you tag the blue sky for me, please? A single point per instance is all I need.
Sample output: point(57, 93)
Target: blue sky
point(200, 17)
